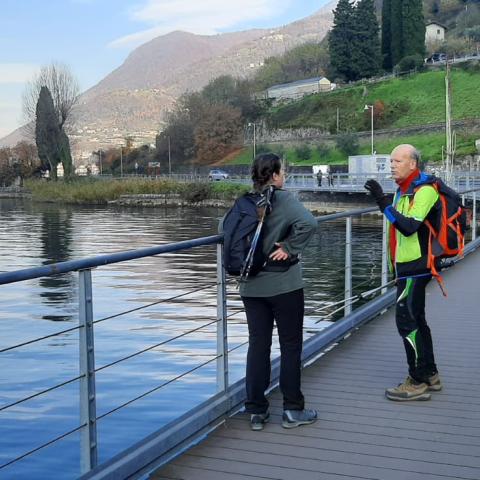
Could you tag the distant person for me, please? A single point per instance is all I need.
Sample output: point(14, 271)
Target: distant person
point(276, 294)
point(330, 178)
point(319, 178)
point(408, 251)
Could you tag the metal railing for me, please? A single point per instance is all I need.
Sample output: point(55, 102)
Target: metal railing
point(166, 442)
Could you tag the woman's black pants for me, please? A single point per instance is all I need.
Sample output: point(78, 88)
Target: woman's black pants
point(287, 311)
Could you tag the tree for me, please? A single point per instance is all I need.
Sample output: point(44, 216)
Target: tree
point(217, 134)
point(303, 152)
point(413, 34)
point(220, 90)
point(340, 42)
point(403, 30)
point(396, 32)
point(64, 91)
point(347, 144)
point(387, 35)
point(366, 42)
point(52, 142)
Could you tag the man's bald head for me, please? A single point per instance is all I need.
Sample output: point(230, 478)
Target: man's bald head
point(405, 160)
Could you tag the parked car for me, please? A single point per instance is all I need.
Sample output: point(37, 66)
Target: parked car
point(217, 175)
point(437, 57)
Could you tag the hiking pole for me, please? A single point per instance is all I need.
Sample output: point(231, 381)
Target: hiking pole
point(339, 309)
point(265, 203)
point(370, 292)
point(353, 299)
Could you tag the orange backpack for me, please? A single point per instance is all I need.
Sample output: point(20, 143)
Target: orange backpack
point(447, 223)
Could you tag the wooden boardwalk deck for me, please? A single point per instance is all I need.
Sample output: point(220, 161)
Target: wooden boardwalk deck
point(360, 434)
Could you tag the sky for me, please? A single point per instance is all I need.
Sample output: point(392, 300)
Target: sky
point(93, 37)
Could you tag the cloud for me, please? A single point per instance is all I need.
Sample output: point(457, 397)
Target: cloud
point(202, 17)
point(16, 72)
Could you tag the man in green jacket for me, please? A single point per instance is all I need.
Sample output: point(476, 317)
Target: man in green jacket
point(408, 253)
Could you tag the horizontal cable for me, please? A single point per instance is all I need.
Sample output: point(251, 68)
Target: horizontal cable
point(236, 313)
point(325, 307)
point(157, 388)
point(4, 407)
point(154, 303)
point(41, 338)
point(237, 347)
point(43, 446)
point(154, 346)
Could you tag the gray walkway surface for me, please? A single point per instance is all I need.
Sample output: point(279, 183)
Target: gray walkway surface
point(360, 434)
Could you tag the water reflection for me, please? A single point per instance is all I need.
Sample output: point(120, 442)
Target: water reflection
point(55, 239)
point(40, 234)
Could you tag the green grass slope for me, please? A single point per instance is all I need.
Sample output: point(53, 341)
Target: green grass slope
point(415, 100)
point(408, 101)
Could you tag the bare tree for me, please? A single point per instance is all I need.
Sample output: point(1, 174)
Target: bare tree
point(65, 91)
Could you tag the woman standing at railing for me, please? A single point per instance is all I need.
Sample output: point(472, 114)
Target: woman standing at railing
point(277, 296)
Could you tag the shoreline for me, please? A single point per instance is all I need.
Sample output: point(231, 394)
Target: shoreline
point(175, 200)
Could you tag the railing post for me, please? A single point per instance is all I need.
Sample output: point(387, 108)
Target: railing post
point(88, 410)
point(348, 266)
point(384, 279)
point(222, 338)
point(474, 216)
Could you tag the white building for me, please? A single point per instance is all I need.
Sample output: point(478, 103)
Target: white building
point(81, 171)
point(435, 32)
point(299, 88)
point(369, 164)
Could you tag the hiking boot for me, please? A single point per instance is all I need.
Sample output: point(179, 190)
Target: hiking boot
point(295, 418)
point(434, 383)
point(258, 420)
point(408, 390)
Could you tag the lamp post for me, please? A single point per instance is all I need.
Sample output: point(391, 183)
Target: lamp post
point(371, 117)
point(169, 159)
point(100, 160)
point(254, 137)
point(121, 161)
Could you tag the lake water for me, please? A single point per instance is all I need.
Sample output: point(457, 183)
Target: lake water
point(32, 235)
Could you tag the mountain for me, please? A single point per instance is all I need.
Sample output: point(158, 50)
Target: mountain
point(134, 98)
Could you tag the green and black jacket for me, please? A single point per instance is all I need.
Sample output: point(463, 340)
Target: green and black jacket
point(408, 234)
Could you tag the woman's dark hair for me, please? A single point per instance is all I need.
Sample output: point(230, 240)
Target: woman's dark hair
point(263, 168)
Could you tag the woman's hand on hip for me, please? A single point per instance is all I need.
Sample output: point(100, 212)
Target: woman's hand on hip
point(279, 253)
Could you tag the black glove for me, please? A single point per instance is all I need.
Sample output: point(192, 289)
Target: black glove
point(377, 193)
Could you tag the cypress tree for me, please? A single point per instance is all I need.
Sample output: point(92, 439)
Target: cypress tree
point(366, 49)
point(340, 41)
point(403, 30)
point(413, 37)
point(396, 31)
point(387, 35)
point(47, 132)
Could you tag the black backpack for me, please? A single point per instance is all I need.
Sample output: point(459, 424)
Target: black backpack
point(240, 226)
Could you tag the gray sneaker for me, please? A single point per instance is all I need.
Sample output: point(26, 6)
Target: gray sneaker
point(408, 390)
point(258, 420)
point(434, 383)
point(295, 418)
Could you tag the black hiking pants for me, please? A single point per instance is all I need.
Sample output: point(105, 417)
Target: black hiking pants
point(412, 327)
point(287, 311)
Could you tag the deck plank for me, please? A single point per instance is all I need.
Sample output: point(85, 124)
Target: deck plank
point(359, 434)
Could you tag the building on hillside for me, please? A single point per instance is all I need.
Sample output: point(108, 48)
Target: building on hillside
point(435, 32)
point(300, 88)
